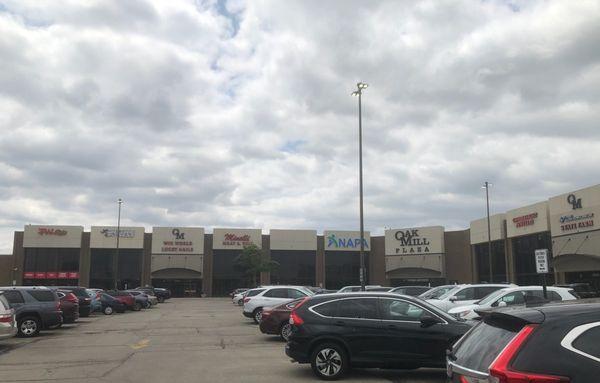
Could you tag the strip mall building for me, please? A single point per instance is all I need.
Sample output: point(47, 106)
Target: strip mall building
point(190, 262)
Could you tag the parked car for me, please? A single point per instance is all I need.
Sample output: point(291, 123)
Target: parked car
point(276, 320)
point(334, 332)
point(237, 291)
point(413, 291)
point(141, 298)
point(110, 304)
point(36, 308)
point(553, 343)
point(83, 297)
point(69, 305)
point(512, 296)
point(238, 299)
point(583, 290)
point(126, 298)
point(436, 292)
point(351, 289)
point(463, 295)
point(8, 322)
point(269, 296)
point(160, 294)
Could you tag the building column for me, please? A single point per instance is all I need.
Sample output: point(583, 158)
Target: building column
point(146, 277)
point(16, 274)
point(265, 276)
point(207, 266)
point(320, 262)
point(475, 273)
point(84, 260)
point(510, 261)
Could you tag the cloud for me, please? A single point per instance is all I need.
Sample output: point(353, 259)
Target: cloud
point(232, 113)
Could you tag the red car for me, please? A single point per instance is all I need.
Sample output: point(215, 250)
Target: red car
point(69, 305)
point(276, 320)
point(126, 298)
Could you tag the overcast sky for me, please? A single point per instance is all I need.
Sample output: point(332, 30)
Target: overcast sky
point(235, 114)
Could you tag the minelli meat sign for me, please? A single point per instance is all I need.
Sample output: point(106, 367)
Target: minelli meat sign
point(231, 239)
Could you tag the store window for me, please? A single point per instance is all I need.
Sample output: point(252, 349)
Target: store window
point(498, 262)
point(524, 257)
point(295, 268)
point(342, 268)
point(51, 266)
point(226, 275)
point(129, 268)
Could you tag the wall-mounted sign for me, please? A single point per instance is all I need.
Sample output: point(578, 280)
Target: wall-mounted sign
point(177, 240)
point(40, 275)
point(29, 275)
point(51, 275)
point(293, 239)
point(527, 220)
point(52, 236)
point(575, 212)
point(414, 241)
point(105, 237)
point(345, 240)
point(236, 239)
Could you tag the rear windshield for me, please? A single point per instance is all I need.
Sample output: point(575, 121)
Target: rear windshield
point(252, 293)
point(478, 349)
point(42, 295)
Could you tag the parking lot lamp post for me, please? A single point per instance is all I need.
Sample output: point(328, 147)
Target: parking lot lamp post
point(358, 92)
point(116, 260)
point(486, 186)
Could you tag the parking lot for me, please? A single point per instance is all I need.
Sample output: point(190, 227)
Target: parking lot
point(182, 340)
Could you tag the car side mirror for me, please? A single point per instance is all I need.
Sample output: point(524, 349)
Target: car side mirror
point(428, 321)
point(502, 304)
point(453, 298)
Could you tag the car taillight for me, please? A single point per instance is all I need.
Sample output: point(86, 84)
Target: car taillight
point(5, 318)
point(72, 298)
point(246, 300)
point(501, 372)
point(295, 319)
point(57, 304)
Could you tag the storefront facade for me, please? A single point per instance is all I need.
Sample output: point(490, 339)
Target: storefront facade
point(295, 252)
point(575, 233)
point(415, 256)
point(106, 261)
point(227, 246)
point(480, 247)
point(342, 257)
point(51, 255)
point(178, 259)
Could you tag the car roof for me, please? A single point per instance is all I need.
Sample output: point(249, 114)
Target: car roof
point(403, 287)
point(24, 288)
point(519, 288)
point(551, 311)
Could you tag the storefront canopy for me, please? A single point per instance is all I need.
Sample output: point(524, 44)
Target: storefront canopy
point(578, 252)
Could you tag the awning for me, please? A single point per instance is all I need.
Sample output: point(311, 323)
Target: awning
point(176, 274)
point(412, 273)
point(577, 252)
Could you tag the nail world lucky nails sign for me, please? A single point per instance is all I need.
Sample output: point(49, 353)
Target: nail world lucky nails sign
point(177, 240)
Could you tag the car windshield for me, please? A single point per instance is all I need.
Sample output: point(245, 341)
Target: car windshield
point(435, 292)
point(492, 297)
point(450, 292)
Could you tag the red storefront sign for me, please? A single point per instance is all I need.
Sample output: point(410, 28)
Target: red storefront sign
point(39, 275)
point(62, 275)
point(29, 275)
point(51, 275)
point(73, 275)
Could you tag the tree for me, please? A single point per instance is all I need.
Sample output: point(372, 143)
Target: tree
point(252, 262)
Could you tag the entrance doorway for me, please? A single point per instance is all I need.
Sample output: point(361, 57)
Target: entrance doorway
point(180, 287)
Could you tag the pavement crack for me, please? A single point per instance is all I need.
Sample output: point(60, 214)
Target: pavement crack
point(121, 362)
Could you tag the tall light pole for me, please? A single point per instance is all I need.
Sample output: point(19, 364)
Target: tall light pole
point(486, 186)
point(116, 259)
point(358, 92)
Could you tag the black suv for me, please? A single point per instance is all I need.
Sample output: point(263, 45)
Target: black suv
point(335, 331)
point(583, 290)
point(160, 293)
point(554, 343)
point(36, 308)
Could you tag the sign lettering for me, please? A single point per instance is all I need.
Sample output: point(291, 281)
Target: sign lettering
point(49, 231)
point(574, 201)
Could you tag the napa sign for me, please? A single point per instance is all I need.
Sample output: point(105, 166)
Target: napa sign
point(345, 240)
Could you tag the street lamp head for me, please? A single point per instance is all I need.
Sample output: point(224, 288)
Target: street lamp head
point(355, 93)
point(362, 85)
point(120, 201)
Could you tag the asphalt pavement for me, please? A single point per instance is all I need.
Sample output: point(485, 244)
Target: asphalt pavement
point(182, 340)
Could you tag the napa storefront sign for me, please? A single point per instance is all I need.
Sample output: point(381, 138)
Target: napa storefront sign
point(177, 240)
point(105, 237)
point(414, 241)
point(52, 236)
point(236, 239)
point(346, 240)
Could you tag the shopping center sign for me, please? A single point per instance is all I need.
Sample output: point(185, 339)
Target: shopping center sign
point(575, 212)
point(177, 240)
point(105, 237)
point(236, 239)
point(346, 240)
point(527, 220)
point(415, 241)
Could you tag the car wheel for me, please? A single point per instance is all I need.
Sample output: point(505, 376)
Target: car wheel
point(329, 361)
point(285, 331)
point(29, 327)
point(241, 302)
point(257, 315)
point(137, 307)
point(108, 310)
point(161, 300)
point(147, 305)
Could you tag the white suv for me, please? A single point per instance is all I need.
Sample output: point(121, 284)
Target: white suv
point(269, 296)
point(463, 295)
